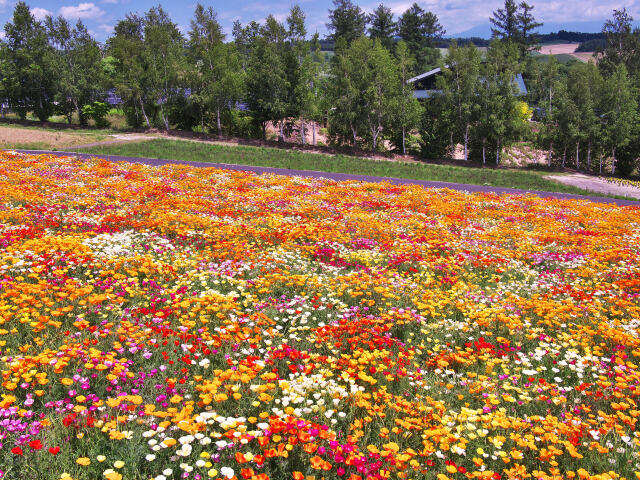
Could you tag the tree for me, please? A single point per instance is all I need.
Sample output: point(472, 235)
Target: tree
point(346, 21)
point(499, 120)
point(459, 84)
point(620, 112)
point(381, 95)
point(623, 44)
point(267, 83)
point(29, 65)
point(382, 27)
point(567, 121)
point(80, 75)
point(363, 94)
point(217, 81)
point(130, 77)
point(585, 90)
point(347, 114)
point(527, 26)
point(244, 39)
point(505, 22)
point(408, 109)
point(419, 29)
point(164, 50)
point(515, 23)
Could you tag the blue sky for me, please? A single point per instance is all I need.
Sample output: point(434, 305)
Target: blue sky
point(458, 16)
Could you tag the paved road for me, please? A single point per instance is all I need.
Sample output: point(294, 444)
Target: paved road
point(154, 162)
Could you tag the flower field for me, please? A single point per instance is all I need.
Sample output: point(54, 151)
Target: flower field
point(172, 323)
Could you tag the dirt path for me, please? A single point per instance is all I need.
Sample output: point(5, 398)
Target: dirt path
point(596, 185)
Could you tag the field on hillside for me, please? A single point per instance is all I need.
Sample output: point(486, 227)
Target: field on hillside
point(181, 323)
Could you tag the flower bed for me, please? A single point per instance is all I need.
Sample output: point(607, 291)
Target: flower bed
point(196, 323)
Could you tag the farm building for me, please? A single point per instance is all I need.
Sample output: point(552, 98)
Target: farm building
point(425, 84)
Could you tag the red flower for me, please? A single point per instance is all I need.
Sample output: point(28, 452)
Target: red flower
point(35, 444)
point(16, 451)
point(54, 450)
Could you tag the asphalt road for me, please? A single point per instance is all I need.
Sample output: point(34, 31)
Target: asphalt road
point(155, 162)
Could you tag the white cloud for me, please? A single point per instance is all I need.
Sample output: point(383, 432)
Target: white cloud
point(460, 15)
point(83, 10)
point(105, 28)
point(40, 13)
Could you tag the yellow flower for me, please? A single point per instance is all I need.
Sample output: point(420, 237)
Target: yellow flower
point(213, 472)
point(84, 461)
point(101, 458)
point(118, 464)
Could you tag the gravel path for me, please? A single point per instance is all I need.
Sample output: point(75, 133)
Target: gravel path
point(595, 184)
point(155, 162)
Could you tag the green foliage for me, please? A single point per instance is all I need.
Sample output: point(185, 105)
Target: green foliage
point(267, 82)
point(97, 111)
point(623, 44)
point(382, 26)
point(215, 72)
point(515, 23)
point(420, 29)
point(29, 65)
point(407, 109)
point(364, 94)
point(346, 21)
point(81, 74)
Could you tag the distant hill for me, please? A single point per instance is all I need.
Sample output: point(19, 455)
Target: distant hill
point(484, 30)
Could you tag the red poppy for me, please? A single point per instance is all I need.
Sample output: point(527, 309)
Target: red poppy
point(35, 444)
point(16, 451)
point(54, 450)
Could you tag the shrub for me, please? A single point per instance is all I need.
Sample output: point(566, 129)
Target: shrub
point(98, 112)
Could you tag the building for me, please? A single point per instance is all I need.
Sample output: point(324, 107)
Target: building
point(425, 84)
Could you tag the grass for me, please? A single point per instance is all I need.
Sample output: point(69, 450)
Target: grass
point(561, 57)
point(277, 158)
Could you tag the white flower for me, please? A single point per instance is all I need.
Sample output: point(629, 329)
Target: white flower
point(150, 457)
point(167, 471)
point(227, 472)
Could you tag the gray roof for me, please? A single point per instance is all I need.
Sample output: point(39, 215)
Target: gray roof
point(424, 75)
point(518, 80)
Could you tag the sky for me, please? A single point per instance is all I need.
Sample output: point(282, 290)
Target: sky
point(459, 17)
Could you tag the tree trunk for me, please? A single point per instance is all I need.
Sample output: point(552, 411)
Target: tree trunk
point(453, 150)
point(219, 124)
point(302, 132)
point(600, 164)
point(613, 161)
point(404, 148)
point(144, 114)
point(550, 154)
point(313, 132)
point(78, 111)
point(589, 156)
point(578, 156)
point(264, 130)
point(466, 143)
point(498, 152)
point(484, 151)
point(564, 156)
point(374, 133)
point(355, 138)
point(281, 139)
